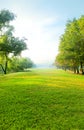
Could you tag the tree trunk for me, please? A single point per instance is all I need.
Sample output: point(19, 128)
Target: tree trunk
point(2, 68)
point(77, 70)
point(74, 70)
point(81, 65)
point(5, 69)
point(5, 66)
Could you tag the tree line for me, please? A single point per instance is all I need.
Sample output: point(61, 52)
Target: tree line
point(11, 46)
point(71, 47)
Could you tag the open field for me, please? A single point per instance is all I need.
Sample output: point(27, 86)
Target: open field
point(42, 100)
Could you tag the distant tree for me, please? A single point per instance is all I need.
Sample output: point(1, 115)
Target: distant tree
point(20, 64)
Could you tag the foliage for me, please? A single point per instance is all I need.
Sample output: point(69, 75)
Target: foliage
point(8, 43)
point(71, 48)
point(5, 17)
point(19, 64)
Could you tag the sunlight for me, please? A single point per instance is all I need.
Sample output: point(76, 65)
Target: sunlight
point(39, 39)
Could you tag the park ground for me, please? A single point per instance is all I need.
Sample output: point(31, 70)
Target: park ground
point(42, 99)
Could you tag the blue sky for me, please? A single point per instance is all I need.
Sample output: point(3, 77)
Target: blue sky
point(42, 22)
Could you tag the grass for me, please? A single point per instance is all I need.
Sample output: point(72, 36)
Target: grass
point(42, 100)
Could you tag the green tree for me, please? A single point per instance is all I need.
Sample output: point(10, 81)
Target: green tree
point(8, 43)
point(71, 48)
point(5, 17)
point(20, 64)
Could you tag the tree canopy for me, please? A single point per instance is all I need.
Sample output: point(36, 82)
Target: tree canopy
point(8, 43)
point(71, 48)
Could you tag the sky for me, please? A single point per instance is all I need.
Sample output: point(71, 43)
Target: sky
point(42, 22)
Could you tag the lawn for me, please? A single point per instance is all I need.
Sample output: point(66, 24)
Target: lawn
point(46, 99)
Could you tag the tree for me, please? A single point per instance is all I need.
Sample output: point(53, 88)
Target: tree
point(20, 64)
point(5, 17)
point(8, 43)
point(71, 48)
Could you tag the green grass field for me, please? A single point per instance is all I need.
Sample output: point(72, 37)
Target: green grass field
point(42, 100)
